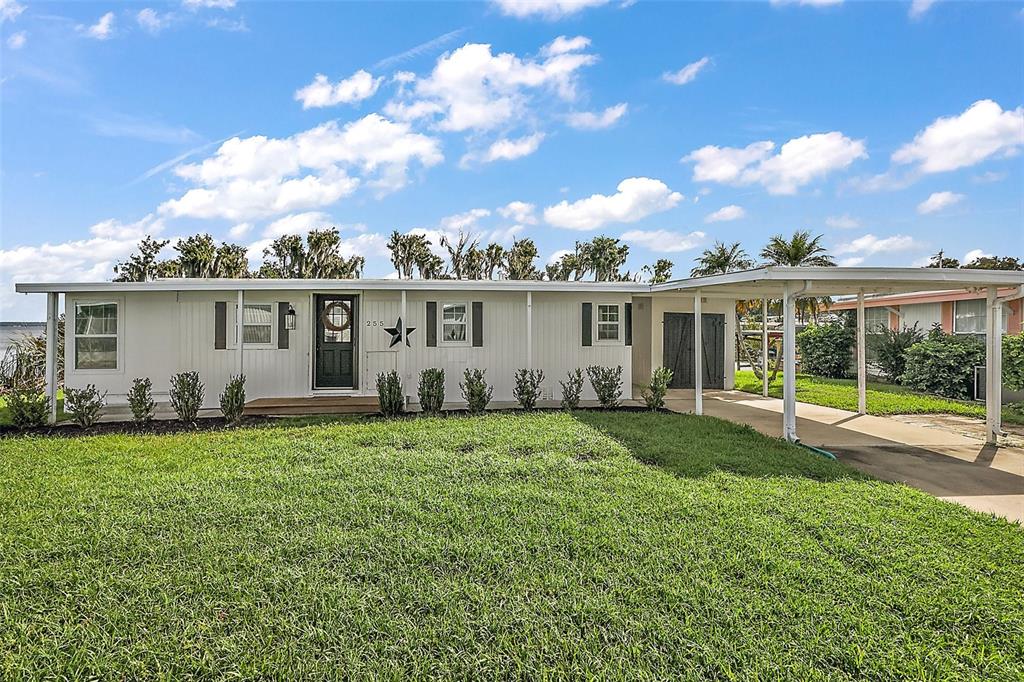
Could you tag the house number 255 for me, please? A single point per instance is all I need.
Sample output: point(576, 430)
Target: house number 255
point(375, 323)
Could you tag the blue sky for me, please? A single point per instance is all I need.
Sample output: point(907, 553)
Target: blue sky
point(894, 129)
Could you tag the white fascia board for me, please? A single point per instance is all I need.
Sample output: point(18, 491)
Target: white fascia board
point(182, 284)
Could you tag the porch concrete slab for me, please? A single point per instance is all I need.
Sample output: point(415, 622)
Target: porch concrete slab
point(945, 463)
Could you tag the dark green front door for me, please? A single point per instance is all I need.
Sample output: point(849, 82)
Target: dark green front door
point(335, 336)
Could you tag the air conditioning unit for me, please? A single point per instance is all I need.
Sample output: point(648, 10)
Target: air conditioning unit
point(979, 383)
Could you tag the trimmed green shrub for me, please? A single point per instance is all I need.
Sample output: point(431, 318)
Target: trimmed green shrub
point(85, 405)
point(390, 394)
point(826, 350)
point(890, 347)
point(607, 383)
point(944, 364)
point(654, 394)
point(140, 399)
point(1013, 362)
point(187, 393)
point(572, 389)
point(232, 400)
point(475, 390)
point(431, 390)
point(527, 388)
point(28, 406)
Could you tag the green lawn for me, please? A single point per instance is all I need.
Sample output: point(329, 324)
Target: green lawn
point(883, 399)
point(593, 545)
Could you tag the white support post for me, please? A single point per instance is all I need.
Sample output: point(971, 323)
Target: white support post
point(698, 356)
point(529, 330)
point(764, 347)
point(240, 331)
point(789, 367)
point(51, 353)
point(862, 370)
point(402, 358)
point(993, 366)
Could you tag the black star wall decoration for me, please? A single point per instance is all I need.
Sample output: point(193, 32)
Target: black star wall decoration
point(396, 334)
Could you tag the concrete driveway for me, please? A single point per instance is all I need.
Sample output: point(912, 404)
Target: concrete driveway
point(950, 465)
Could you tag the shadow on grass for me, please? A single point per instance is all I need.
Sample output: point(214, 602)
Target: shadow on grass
point(691, 447)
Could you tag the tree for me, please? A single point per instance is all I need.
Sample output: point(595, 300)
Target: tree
point(520, 260)
point(800, 251)
point(457, 254)
point(319, 257)
point(402, 255)
point(494, 260)
point(939, 261)
point(197, 256)
point(569, 267)
point(996, 263)
point(606, 257)
point(284, 258)
point(661, 272)
point(141, 266)
point(720, 259)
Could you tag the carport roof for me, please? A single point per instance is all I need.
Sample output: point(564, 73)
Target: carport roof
point(768, 282)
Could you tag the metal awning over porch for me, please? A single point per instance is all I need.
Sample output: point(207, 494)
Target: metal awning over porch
point(792, 283)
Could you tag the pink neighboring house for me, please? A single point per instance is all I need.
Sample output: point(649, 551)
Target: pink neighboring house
point(959, 312)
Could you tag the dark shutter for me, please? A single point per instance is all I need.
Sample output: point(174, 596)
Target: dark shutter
point(629, 324)
point(478, 324)
point(220, 325)
point(282, 333)
point(431, 323)
point(587, 321)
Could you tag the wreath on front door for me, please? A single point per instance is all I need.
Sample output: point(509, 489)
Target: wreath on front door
point(328, 323)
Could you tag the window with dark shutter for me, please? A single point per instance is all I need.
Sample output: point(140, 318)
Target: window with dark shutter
point(431, 323)
point(282, 330)
point(220, 325)
point(587, 321)
point(628, 318)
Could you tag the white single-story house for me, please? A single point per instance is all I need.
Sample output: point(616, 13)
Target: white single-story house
point(308, 338)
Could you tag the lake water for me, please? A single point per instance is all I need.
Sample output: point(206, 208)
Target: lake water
point(12, 331)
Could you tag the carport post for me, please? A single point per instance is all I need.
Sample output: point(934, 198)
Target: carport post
point(862, 378)
point(698, 355)
point(789, 368)
point(993, 367)
point(764, 347)
point(51, 353)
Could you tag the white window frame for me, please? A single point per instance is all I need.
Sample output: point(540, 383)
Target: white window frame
point(72, 354)
point(618, 324)
point(1004, 309)
point(878, 326)
point(442, 341)
point(236, 336)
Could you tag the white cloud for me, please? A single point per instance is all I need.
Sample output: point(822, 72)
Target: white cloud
point(507, 150)
point(687, 73)
point(799, 161)
point(726, 213)
point(588, 120)
point(322, 93)
point(973, 254)
point(519, 211)
point(563, 45)
point(983, 131)
point(16, 41)
point(989, 176)
point(213, 4)
point(547, 9)
point(297, 223)
point(869, 245)
point(463, 222)
point(664, 241)
point(635, 199)
point(918, 8)
point(472, 89)
point(851, 262)
point(557, 256)
point(9, 10)
point(938, 201)
point(240, 230)
point(842, 222)
point(152, 21)
point(103, 29)
point(421, 49)
point(259, 176)
point(114, 229)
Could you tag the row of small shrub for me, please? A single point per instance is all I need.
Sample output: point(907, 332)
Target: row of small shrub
point(933, 362)
point(606, 381)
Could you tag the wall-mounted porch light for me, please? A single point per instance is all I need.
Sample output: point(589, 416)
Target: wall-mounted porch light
point(289, 319)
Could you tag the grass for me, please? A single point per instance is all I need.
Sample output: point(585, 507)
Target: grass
point(883, 399)
point(593, 545)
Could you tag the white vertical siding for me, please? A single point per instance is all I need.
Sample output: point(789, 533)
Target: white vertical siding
point(642, 339)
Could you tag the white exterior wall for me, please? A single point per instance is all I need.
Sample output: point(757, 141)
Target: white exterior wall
point(674, 303)
point(642, 330)
point(926, 315)
point(162, 333)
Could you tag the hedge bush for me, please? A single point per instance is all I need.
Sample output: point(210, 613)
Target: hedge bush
point(140, 399)
point(891, 346)
point(572, 389)
point(475, 390)
point(85, 405)
point(1013, 362)
point(826, 350)
point(390, 394)
point(431, 390)
point(944, 364)
point(607, 383)
point(527, 388)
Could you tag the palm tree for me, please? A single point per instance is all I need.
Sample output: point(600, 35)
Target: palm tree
point(520, 260)
point(457, 253)
point(606, 257)
point(660, 272)
point(402, 256)
point(494, 259)
point(800, 251)
point(720, 259)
